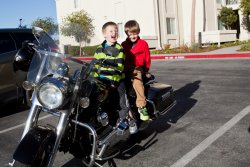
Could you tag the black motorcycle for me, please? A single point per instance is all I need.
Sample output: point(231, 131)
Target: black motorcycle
point(85, 108)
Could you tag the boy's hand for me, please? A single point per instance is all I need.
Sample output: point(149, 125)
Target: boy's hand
point(148, 75)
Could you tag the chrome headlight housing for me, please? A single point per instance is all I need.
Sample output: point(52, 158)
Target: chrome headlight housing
point(51, 93)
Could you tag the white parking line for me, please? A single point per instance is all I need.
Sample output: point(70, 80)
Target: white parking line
point(209, 140)
point(21, 125)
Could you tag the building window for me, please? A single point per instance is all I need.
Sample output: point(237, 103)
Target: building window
point(76, 4)
point(170, 25)
point(232, 2)
point(120, 30)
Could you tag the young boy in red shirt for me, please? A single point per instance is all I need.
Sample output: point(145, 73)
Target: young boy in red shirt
point(137, 63)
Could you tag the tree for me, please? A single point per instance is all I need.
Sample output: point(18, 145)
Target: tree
point(78, 25)
point(47, 24)
point(245, 8)
point(227, 17)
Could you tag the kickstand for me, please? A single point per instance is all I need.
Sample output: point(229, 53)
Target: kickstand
point(111, 163)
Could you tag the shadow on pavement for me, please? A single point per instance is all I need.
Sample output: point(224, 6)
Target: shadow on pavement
point(183, 105)
point(74, 163)
point(149, 136)
point(184, 101)
point(12, 108)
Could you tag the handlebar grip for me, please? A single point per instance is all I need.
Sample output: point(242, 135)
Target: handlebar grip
point(109, 63)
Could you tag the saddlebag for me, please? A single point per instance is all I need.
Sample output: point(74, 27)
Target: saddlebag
point(30, 147)
point(161, 95)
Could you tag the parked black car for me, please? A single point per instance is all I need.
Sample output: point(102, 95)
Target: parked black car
point(11, 40)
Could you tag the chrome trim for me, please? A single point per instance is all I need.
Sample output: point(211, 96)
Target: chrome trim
point(30, 120)
point(153, 104)
point(61, 84)
point(11, 164)
point(93, 132)
point(104, 146)
point(168, 108)
point(150, 82)
point(59, 133)
point(106, 158)
point(105, 140)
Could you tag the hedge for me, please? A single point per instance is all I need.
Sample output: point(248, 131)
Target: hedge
point(88, 50)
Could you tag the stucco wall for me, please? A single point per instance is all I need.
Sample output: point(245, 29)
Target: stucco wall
point(118, 11)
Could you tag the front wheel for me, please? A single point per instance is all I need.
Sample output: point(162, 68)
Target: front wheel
point(35, 148)
point(41, 160)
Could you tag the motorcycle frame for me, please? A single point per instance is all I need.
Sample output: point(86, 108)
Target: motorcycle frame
point(63, 122)
point(60, 128)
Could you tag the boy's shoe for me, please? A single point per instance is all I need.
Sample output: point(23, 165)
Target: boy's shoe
point(143, 113)
point(122, 124)
point(133, 126)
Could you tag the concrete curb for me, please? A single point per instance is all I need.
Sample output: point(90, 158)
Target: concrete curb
point(197, 56)
point(203, 56)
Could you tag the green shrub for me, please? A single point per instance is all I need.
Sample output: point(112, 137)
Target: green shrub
point(195, 48)
point(89, 50)
point(74, 50)
point(213, 47)
point(86, 50)
point(245, 47)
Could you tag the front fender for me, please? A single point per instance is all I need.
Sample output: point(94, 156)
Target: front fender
point(33, 144)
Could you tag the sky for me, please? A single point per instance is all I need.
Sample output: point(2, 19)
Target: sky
point(11, 11)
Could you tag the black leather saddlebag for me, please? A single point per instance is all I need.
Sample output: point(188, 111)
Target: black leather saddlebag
point(161, 95)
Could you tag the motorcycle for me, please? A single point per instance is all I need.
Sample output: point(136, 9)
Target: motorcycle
point(86, 110)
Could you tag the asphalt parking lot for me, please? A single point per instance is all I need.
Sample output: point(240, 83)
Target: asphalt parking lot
point(208, 127)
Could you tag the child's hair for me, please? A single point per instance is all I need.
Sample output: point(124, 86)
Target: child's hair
point(110, 23)
point(132, 26)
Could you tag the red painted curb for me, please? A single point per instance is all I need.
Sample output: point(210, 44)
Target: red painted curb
point(208, 56)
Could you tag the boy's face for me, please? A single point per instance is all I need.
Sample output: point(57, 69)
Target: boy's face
point(111, 34)
point(133, 36)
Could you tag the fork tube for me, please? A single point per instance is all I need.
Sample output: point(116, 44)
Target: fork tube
point(30, 120)
point(59, 133)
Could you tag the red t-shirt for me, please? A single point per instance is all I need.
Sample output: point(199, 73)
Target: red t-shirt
point(137, 54)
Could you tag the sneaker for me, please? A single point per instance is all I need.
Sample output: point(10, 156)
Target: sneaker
point(143, 113)
point(122, 124)
point(133, 126)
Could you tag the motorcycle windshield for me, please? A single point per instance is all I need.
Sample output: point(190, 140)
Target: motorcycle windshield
point(44, 63)
point(47, 59)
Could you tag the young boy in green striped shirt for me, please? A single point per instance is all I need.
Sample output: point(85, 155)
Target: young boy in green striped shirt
point(112, 53)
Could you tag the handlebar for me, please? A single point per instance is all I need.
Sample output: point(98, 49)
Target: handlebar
point(107, 64)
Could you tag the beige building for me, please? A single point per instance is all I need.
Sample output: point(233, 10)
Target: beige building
point(163, 22)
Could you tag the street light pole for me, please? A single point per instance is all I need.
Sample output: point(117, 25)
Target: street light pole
point(20, 23)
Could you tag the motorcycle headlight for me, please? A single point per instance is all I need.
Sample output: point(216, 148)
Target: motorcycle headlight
point(50, 95)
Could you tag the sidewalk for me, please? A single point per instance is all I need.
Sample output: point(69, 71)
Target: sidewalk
point(228, 52)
